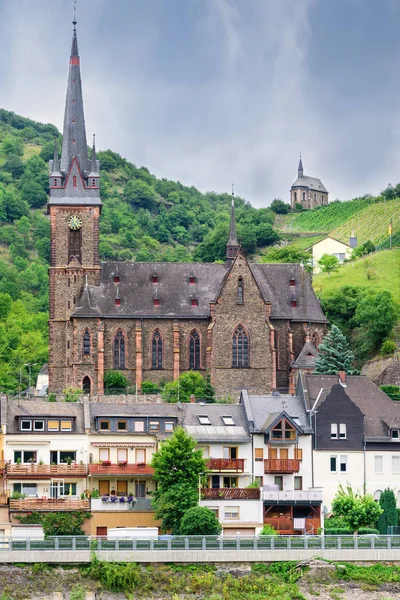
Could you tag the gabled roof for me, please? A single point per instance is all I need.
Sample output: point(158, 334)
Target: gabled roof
point(330, 238)
point(217, 430)
point(380, 411)
point(312, 183)
point(263, 411)
point(306, 358)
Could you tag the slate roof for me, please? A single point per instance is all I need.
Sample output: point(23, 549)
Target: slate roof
point(136, 291)
point(381, 413)
point(262, 411)
point(33, 408)
point(306, 358)
point(217, 431)
point(105, 409)
point(312, 183)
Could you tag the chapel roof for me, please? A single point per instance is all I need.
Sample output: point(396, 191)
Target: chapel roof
point(312, 183)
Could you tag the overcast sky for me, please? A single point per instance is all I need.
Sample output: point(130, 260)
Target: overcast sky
point(213, 91)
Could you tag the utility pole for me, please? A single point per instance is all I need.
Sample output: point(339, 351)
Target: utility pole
point(29, 365)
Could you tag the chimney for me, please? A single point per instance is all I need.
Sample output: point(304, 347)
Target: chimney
point(192, 399)
point(342, 377)
point(353, 240)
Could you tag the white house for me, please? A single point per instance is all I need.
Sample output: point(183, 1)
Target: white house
point(330, 245)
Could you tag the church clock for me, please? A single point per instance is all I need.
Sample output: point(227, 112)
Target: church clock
point(74, 222)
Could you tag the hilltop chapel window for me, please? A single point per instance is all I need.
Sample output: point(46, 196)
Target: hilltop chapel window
point(240, 291)
point(156, 350)
point(119, 351)
point(86, 343)
point(194, 350)
point(240, 347)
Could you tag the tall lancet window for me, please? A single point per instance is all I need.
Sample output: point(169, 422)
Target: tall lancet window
point(194, 350)
point(119, 351)
point(156, 350)
point(240, 348)
point(86, 343)
point(240, 291)
point(75, 244)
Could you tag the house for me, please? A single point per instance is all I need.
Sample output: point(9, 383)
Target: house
point(222, 432)
point(121, 441)
point(282, 462)
point(356, 434)
point(333, 247)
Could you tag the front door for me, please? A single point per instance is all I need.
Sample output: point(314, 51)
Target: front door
point(122, 488)
point(104, 488)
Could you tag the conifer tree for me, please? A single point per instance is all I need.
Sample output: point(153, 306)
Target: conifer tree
point(209, 391)
point(334, 354)
point(389, 517)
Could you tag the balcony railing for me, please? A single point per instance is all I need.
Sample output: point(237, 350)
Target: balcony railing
point(281, 465)
point(292, 495)
point(14, 471)
point(49, 504)
point(97, 504)
point(230, 494)
point(226, 464)
point(120, 469)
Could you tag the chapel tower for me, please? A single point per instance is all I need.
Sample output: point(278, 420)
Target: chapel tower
point(74, 208)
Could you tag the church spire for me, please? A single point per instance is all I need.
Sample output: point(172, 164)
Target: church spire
point(94, 170)
point(232, 246)
point(74, 134)
point(300, 170)
point(55, 168)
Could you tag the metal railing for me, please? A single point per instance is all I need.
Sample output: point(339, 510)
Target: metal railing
point(187, 543)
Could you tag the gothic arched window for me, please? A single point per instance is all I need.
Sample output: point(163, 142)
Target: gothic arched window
point(86, 385)
point(156, 350)
point(295, 197)
point(74, 181)
point(194, 350)
point(240, 291)
point(75, 244)
point(119, 351)
point(240, 347)
point(86, 343)
point(304, 195)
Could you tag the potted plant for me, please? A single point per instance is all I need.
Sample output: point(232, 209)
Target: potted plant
point(106, 462)
point(95, 494)
point(18, 461)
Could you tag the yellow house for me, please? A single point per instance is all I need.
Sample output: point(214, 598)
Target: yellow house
point(331, 246)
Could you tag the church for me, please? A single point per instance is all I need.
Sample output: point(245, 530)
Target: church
point(244, 323)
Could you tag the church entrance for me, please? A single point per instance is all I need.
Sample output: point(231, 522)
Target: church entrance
point(86, 385)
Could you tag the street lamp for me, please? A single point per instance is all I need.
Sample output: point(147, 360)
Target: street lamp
point(200, 474)
point(30, 365)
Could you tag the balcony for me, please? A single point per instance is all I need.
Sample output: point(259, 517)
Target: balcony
point(292, 496)
point(230, 494)
point(36, 471)
point(105, 469)
point(231, 465)
point(49, 504)
point(141, 504)
point(281, 465)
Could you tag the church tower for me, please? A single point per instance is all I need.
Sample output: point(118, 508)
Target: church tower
point(74, 208)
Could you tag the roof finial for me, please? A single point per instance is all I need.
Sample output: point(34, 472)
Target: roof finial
point(74, 22)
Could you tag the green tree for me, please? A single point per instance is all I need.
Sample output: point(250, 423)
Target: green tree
point(177, 467)
point(140, 194)
point(266, 235)
point(375, 316)
point(328, 263)
point(288, 254)
point(34, 194)
point(389, 516)
point(188, 383)
point(114, 380)
point(357, 510)
point(279, 207)
point(334, 354)
point(208, 390)
point(199, 520)
point(14, 165)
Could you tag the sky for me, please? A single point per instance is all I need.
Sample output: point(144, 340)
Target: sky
point(210, 92)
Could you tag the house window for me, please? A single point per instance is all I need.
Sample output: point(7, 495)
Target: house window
point(138, 426)
point(29, 489)
point(228, 421)
point(278, 480)
point(230, 482)
point(194, 350)
point(104, 425)
point(25, 456)
point(258, 454)
point(343, 464)
point(240, 348)
point(395, 434)
point(230, 452)
point(240, 291)
point(334, 431)
point(214, 509)
point(156, 350)
point(122, 455)
point(204, 420)
point(298, 453)
point(333, 461)
point(215, 482)
point(168, 427)
point(140, 456)
point(119, 351)
point(38, 425)
point(86, 343)
point(104, 454)
point(26, 425)
point(122, 425)
point(69, 489)
point(66, 425)
point(74, 180)
point(154, 425)
point(62, 456)
point(342, 431)
point(298, 482)
point(395, 464)
point(231, 512)
point(283, 431)
point(378, 464)
point(53, 425)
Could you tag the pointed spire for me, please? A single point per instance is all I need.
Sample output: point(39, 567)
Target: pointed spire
point(55, 169)
point(93, 168)
point(232, 246)
point(74, 133)
point(300, 170)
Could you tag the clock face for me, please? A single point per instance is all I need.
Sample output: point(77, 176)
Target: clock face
point(74, 222)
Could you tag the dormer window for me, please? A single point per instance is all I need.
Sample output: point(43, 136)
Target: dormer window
point(194, 302)
point(192, 279)
point(204, 420)
point(156, 301)
point(294, 303)
point(292, 282)
point(396, 435)
point(283, 432)
point(228, 420)
point(117, 279)
point(117, 301)
point(154, 278)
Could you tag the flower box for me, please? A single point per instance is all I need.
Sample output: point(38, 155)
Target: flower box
point(106, 463)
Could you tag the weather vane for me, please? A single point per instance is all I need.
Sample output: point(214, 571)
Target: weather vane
point(74, 21)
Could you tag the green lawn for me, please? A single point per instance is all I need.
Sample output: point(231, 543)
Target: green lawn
point(383, 269)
